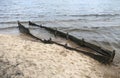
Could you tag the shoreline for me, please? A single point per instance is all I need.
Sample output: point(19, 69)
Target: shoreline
point(36, 59)
point(106, 37)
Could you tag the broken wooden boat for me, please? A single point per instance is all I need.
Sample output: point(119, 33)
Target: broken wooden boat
point(80, 42)
point(96, 52)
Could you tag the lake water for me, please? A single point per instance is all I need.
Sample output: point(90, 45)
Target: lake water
point(51, 10)
point(71, 14)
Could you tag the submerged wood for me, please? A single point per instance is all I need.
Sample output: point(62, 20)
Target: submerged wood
point(101, 58)
point(80, 42)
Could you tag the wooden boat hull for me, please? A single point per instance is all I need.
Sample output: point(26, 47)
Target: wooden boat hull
point(105, 56)
point(80, 42)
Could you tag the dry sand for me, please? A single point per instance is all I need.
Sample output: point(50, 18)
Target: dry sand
point(27, 58)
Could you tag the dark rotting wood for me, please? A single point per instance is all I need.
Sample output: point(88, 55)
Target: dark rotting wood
point(50, 39)
point(67, 36)
point(23, 29)
point(82, 42)
point(30, 23)
point(55, 32)
point(66, 45)
point(105, 57)
point(79, 42)
point(88, 45)
point(113, 55)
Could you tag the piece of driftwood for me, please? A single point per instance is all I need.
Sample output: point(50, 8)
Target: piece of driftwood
point(80, 42)
point(101, 58)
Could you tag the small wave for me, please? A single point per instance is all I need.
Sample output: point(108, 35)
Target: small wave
point(12, 22)
point(8, 22)
point(101, 15)
point(8, 27)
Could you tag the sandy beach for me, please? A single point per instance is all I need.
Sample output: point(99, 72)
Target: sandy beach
point(22, 57)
